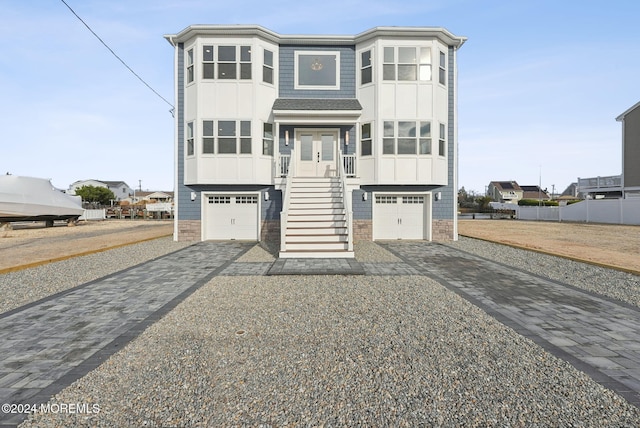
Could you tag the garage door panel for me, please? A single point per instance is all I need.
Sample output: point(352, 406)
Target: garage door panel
point(231, 217)
point(385, 217)
point(399, 217)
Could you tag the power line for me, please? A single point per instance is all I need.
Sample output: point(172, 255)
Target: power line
point(119, 59)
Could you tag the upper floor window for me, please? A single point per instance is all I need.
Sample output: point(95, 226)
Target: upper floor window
point(366, 68)
point(443, 68)
point(231, 62)
point(406, 63)
point(406, 138)
point(317, 70)
point(190, 66)
point(267, 67)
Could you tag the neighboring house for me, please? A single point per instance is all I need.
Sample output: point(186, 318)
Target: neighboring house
point(315, 140)
point(146, 197)
point(505, 191)
point(631, 151)
point(119, 188)
point(626, 185)
point(535, 192)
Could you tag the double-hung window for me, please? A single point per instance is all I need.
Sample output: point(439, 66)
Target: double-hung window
point(442, 142)
point(190, 75)
point(208, 137)
point(366, 68)
point(366, 148)
point(443, 68)
point(190, 141)
point(208, 64)
point(267, 139)
point(267, 67)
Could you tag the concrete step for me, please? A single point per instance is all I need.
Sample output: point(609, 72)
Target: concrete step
point(316, 246)
point(293, 238)
point(321, 223)
point(291, 230)
point(311, 254)
point(302, 215)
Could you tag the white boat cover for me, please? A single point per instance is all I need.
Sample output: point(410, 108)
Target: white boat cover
point(26, 198)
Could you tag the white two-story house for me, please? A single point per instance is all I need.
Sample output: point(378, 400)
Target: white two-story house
point(315, 140)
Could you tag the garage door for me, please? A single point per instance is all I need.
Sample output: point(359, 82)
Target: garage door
point(231, 217)
point(400, 216)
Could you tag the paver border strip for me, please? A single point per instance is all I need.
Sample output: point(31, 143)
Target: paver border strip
point(100, 356)
point(603, 379)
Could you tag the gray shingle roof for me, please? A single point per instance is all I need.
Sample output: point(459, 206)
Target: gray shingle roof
point(317, 104)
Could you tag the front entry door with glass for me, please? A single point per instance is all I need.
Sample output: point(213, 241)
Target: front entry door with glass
point(317, 153)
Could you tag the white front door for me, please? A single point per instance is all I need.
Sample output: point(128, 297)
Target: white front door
point(317, 153)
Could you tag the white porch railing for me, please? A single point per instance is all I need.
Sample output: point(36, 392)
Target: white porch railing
point(286, 172)
point(349, 164)
point(283, 165)
point(347, 199)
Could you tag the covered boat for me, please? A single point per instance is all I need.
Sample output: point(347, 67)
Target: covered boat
point(35, 199)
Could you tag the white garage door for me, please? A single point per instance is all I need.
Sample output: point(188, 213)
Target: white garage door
point(231, 217)
point(400, 216)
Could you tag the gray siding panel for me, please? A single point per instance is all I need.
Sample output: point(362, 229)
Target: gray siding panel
point(187, 209)
point(444, 208)
point(347, 72)
point(362, 210)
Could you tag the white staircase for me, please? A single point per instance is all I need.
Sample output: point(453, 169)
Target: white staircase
point(316, 221)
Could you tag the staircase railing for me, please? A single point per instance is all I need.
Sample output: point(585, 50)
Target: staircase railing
point(284, 214)
point(347, 200)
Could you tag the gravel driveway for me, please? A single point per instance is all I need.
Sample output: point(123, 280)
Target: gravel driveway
point(335, 351)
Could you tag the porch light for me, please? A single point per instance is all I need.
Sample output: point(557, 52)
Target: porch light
point(286, 138)
point(364, 196)
point(346, 138)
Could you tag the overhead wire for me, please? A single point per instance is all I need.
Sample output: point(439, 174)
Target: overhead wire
point(119, 59)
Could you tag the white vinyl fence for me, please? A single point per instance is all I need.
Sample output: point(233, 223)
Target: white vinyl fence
point(615, 211)
point(93, 215)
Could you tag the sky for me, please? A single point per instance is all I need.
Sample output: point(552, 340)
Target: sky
point(540, 82)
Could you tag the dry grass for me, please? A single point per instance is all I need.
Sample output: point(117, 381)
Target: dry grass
point(611, 245)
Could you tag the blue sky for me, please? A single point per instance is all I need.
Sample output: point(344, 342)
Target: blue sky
point(540, 82)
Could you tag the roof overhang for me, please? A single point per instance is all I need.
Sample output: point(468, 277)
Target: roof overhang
point(621, 117)
point(321, 110)
point(191, 31)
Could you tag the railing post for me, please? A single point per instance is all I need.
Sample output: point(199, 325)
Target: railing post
point(347, 202)
point(284, 214)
